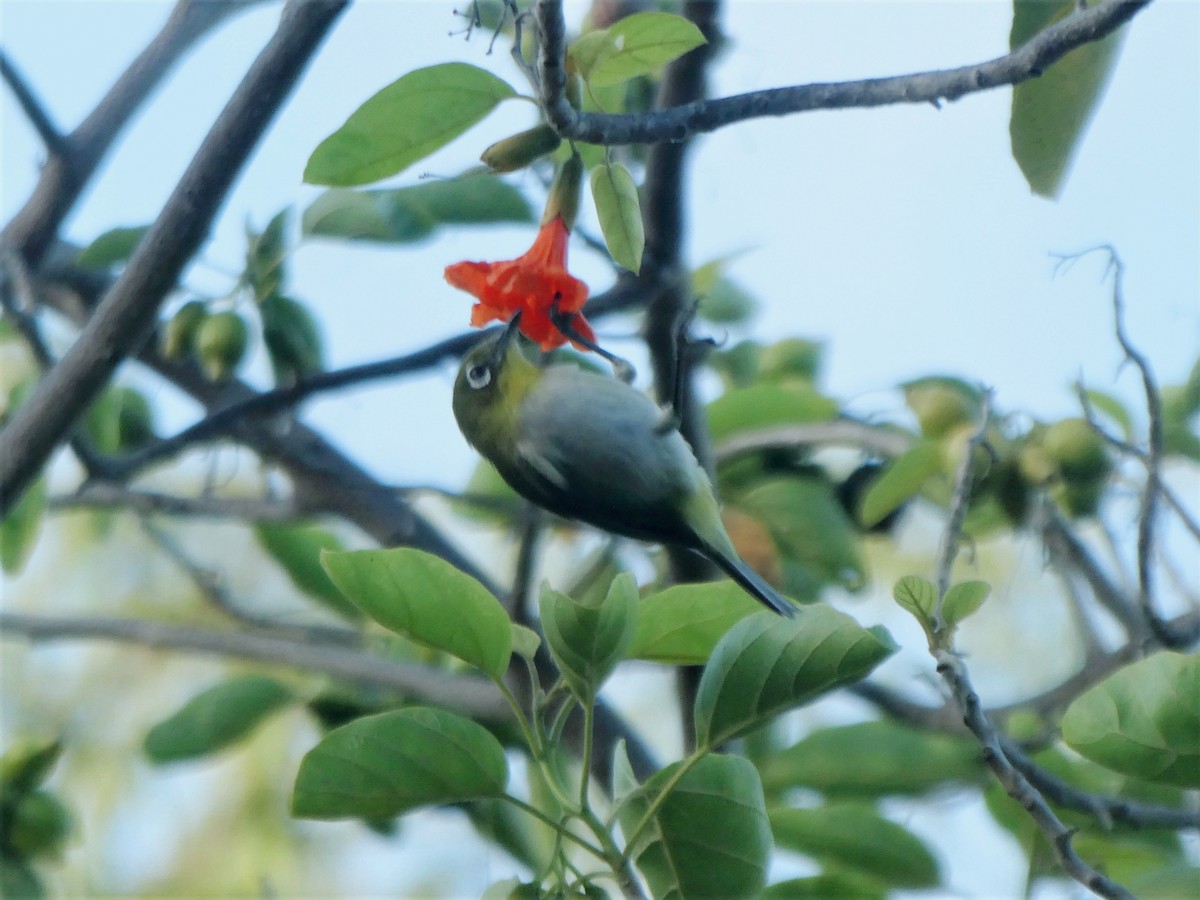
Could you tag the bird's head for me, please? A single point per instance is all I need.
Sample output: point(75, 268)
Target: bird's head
point(492, 381)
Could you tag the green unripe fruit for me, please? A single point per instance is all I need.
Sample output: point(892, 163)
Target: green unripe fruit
point(1077, 450)
point(180, 334)
point(519, 150)
point(1078, 500)
point(941, 404)
point(221, 344)
point(1035, 465)
point(1011, 489)
point(791, 358)
point(38, 824)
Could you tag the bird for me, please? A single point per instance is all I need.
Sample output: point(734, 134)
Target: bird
point(592, 448)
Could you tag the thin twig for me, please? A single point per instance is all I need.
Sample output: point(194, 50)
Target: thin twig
point(684, 120)
point(1016, 785)
point(1106, 810)
point(470, 695)
point(106, 495)
point(34, 109)
point(1066, 548)
point(960, 500)
point(217, 596)
point(954, 672)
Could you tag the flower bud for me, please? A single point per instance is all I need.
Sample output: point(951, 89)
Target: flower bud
point(521, 149)
point(564, 193)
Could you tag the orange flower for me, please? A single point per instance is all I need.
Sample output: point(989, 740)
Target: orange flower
point(536, 284)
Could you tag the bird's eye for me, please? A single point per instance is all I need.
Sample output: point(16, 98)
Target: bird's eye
point(479, 376)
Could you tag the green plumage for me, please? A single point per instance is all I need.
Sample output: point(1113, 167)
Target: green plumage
point(586, 447)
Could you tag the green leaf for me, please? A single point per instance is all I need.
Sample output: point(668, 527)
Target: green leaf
point(216, 718)
point(641, 44)
point(766, 405)
point(810, 528)
point(855, 836)
point(901, 480)
point(963, 600)
point(1113, 408)
point(525, 641)
point(18, 880)
point(298, 548)
point(411, 214)
point(726, 303)
point(424, 598)
point(1050, 114)
point(26, 764)
point(1174, 882)
point(709, 838)
point(765, 665)
point(587, 641)
point(681, 625)
point(266, 253)
point(405, 122)
point(873, 759)
point(620, 214)
point(112, 247)
point(837, 885)
point(292, 338)
point(1143, 720)
point(917, 595)
point(19, 529)
point(382, 766)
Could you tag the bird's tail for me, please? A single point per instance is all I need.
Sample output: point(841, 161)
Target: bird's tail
point(751, 581)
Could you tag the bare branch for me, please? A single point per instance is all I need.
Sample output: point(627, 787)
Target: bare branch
point(959, 501)
point(679, 122)
point(211, 588)
point(1066, 548)
point(66, 174)
point(33, 108)
point(105, 495)
point(127, 312)
point(469, 695)
point(1016, 785)
point(1106, 810)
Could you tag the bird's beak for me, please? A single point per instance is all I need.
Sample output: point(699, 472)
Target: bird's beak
point(506, 338)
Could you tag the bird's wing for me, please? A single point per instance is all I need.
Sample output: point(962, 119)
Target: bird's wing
point(587, 449)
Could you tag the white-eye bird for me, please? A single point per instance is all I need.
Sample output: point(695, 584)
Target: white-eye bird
point(588, 447)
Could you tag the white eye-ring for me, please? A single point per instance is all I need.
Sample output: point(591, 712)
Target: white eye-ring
point(479, 376)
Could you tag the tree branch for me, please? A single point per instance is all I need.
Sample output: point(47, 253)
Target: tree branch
point(128, 310)
point(34, 111)
point(67, 173)
point(469, 695)
point(685, 120)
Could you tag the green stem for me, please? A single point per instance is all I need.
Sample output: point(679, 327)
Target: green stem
point(685, 766)
point(558, 827)
point(584, 778)
point(527, 730)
